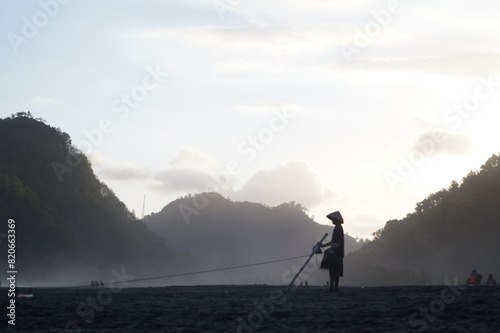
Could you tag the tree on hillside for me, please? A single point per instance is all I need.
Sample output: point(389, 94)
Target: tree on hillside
point(449, 232)
point(76, 221)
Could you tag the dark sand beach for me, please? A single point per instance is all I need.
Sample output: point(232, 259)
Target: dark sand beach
point(258, 309)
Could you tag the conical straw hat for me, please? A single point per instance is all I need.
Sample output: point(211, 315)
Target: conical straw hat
point(336, 216)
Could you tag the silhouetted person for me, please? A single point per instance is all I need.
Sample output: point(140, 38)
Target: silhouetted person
point(102, 284)
point(491, 281)
point(333, 259)
point(474, 278)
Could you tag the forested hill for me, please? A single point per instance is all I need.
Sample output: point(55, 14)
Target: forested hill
point(449, 233)
point(224, 232)
point(70, 227)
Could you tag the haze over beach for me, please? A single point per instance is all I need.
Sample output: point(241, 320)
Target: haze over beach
point(363, 106)
point(249, 166)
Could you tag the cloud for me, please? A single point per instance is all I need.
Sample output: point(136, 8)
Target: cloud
point(115, 171)
point(188, 171)
point(176, 179)
point(267, 107)
point(124, 172)
point(257, 40)
point(294, 180)
point(43, 101)
point(463, 65)
point(249, 49)
point(434, 143)
point(192, 158)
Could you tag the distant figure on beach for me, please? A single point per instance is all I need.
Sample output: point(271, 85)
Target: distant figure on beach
point(102, 284)
point(92, 284)
point(333, 259)
point(474, 278)
point(491, 281)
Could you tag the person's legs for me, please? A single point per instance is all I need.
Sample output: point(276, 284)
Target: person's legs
point(336, 280)
point(332, 279)
point(335, 273)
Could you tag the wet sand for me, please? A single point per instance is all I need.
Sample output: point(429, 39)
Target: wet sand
point(258, 309)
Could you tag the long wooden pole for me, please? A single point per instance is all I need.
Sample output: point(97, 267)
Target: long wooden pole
point(303, 266)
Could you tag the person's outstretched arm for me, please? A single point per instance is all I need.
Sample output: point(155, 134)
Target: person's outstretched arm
point(330, 243)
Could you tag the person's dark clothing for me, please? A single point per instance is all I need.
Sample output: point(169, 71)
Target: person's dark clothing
point(338, 237)
point(333, 259)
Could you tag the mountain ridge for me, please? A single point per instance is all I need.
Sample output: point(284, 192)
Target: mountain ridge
point(233, 233)
point(450, 232)
point(78, 229)
point(74, 229)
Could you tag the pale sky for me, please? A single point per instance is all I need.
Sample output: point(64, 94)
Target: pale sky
point(360, 106)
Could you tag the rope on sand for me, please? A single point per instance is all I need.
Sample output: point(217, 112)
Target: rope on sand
point(187, 273)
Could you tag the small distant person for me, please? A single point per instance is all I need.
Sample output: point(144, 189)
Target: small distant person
point(333, 259)
point(307, 284)
point(491, 281)
point(102, 284)
point(474, 278)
